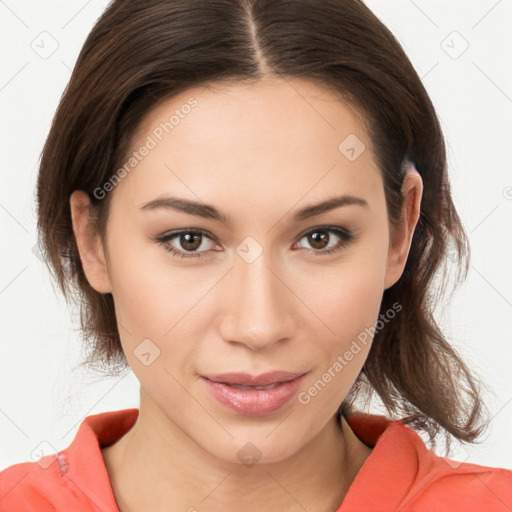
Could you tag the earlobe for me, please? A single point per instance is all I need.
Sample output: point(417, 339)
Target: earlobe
point(400, 244)
point(89, 244)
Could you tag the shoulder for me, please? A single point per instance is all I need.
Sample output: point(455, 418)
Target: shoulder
point(30, 486)
point(403, 474)
point(72, 479)
point(462, 486)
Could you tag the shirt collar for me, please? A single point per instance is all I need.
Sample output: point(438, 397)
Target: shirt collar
point(389, 471)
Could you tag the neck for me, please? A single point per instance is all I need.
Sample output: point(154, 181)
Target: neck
point(157, 466)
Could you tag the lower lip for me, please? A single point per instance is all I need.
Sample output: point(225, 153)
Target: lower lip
point(254, 402)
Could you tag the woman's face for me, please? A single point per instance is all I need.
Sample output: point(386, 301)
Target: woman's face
point(257, 291)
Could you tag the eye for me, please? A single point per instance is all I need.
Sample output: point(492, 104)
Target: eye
point(320, 237)
point(188, 240)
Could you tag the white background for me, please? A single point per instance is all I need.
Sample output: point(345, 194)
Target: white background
point(43, 399)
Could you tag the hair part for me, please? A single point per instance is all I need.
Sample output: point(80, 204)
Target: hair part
point(140, 53)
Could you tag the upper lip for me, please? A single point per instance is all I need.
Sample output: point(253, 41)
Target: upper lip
point(247, 379)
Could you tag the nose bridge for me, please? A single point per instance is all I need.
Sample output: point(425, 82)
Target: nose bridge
point(257, 314)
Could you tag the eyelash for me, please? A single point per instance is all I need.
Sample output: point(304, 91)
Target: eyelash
point(346, 238)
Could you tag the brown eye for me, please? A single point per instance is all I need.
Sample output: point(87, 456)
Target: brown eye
point(320, 240)
point(189, 241)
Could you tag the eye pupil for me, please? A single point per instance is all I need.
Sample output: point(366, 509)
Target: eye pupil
point(191, 246)
point(317, 238)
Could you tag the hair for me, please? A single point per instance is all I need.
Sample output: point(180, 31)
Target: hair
point(141, 53)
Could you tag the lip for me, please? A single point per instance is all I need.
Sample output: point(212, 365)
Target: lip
point(254, 402)
point(247, 379)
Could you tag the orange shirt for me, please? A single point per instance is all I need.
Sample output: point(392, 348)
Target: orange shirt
point(400, 474)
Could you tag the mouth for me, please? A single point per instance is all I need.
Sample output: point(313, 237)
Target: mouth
point(266, 394)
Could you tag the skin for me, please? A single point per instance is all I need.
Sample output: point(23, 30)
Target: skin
point(258, 153)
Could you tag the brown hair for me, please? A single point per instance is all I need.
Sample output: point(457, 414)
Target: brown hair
point(140, 53)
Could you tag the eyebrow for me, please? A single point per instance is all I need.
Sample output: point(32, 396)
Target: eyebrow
point(210, 212)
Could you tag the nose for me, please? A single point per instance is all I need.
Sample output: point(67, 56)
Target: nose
point(258, 312)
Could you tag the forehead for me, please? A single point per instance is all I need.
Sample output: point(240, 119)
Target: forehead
point(273, 110)
point(286, 138)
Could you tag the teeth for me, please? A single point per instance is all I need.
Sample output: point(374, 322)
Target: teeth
point(240, 386)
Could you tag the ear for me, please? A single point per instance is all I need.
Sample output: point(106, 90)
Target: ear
point(400, 242)
point(89, 244)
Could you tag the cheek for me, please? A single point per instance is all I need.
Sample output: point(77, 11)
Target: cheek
point(350, 311)
point(348, 296)
point(150, 292)
point(158, 307)
point(348, 303)
point(351, 314)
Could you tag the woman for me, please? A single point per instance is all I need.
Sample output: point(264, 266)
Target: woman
point(251, 200)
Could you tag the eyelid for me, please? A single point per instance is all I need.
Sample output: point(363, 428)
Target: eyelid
point(174, 233)
point(325, 227)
